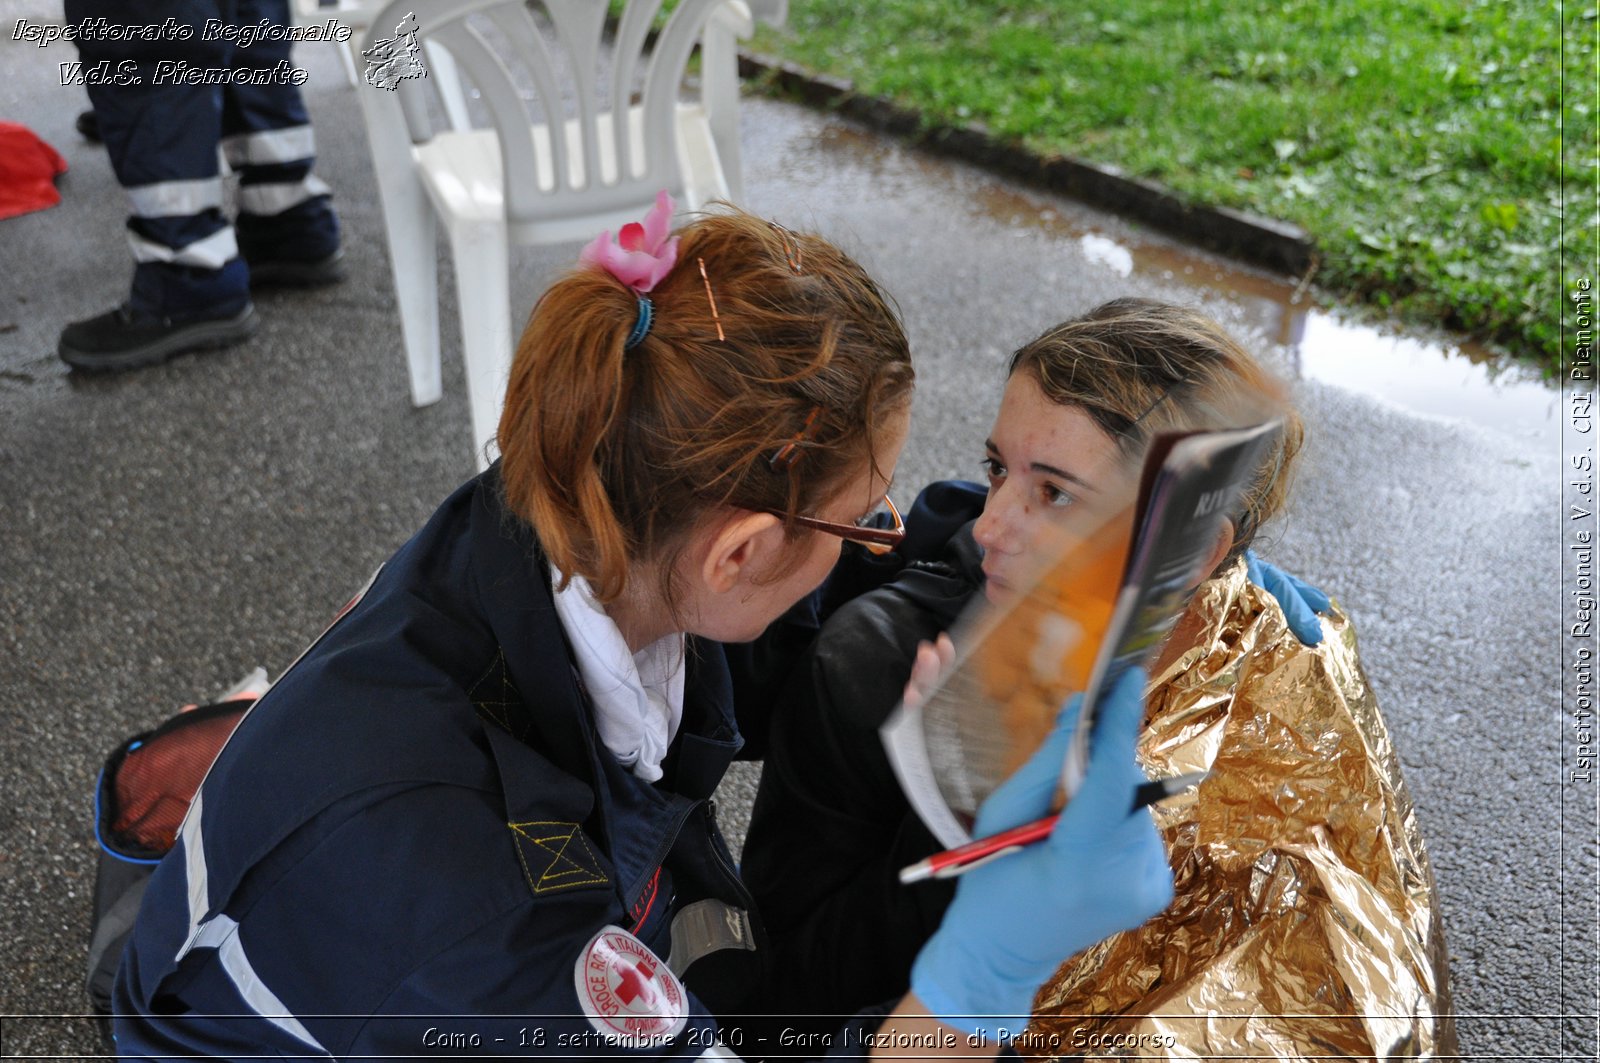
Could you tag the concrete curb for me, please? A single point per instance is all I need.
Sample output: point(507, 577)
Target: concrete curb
point(1272, 244)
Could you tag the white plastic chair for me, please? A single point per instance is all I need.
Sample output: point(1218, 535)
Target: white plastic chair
point(519, 183)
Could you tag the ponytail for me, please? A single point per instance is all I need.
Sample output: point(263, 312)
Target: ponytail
point(562, 401)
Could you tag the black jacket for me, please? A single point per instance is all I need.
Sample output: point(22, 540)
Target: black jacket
point(831, 827)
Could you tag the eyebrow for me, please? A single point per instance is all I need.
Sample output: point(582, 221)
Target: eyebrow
point(1047, 470)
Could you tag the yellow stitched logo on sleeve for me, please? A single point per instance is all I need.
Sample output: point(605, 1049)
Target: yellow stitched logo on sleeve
point(555, 856)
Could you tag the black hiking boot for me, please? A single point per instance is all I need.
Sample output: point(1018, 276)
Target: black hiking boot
point(121, 339)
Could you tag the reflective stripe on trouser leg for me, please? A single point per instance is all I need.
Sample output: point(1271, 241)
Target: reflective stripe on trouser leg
point(275, 197)
point(209, 252)
point(267, 146)
point(284, 212)
point(164, 199)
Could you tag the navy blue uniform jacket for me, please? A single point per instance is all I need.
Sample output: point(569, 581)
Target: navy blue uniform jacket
point(412, 838)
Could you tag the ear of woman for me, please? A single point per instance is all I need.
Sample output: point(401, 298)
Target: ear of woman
point(738, 546)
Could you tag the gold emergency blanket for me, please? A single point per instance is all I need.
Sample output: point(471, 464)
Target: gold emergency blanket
point(1305, 924)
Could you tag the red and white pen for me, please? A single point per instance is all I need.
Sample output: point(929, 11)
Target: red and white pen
point(980, 851)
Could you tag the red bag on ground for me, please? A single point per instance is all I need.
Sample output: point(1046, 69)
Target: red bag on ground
point(28, 170)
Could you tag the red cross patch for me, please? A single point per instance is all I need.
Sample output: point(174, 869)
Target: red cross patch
point(628, 992)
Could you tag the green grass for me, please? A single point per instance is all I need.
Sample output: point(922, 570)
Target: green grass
point(1418, 141)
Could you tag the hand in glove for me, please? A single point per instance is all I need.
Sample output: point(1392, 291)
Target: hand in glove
point(1102, 870)
point(1300, 601)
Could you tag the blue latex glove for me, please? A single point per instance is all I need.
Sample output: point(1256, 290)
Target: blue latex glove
point(1102, 870)
point(1301, 602)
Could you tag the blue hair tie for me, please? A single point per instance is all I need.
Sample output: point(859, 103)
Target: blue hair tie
point(641, 327)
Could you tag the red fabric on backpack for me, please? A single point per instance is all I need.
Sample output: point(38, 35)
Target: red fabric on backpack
point(157, 780)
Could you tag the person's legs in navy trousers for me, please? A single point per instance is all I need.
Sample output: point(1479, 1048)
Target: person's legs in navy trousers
point(191, 283)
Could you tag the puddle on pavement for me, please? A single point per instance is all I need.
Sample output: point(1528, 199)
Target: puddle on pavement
point(1431, 377)
point(1462, 381)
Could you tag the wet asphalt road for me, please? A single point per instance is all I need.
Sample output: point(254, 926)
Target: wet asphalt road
point(163, 532)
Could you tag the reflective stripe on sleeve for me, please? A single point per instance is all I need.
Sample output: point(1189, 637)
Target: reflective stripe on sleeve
point(212, 252)
point(194, 870)
point(222, 933)
point(277, 198)
point(270, 146)
point(262, 1001)
point(175, 198)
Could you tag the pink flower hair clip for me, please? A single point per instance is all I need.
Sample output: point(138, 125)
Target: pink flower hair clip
point(642, 254)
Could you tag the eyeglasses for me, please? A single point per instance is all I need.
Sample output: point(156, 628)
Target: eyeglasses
point(877, 540)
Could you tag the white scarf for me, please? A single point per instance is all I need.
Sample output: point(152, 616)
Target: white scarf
point(637, 697)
